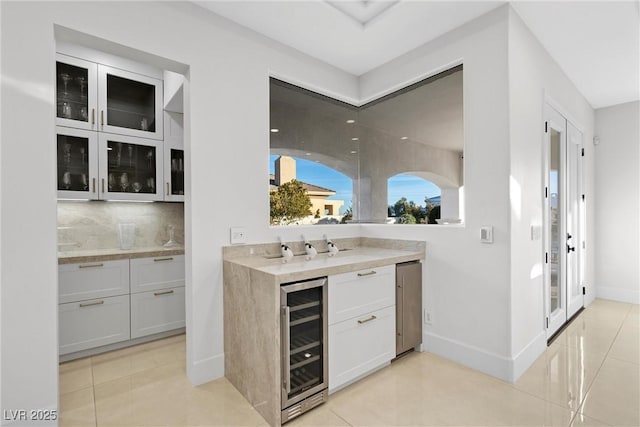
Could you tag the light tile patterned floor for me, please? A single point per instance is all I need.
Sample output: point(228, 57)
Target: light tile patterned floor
point(588, 377)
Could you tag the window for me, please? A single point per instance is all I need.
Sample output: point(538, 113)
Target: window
point(414, 135)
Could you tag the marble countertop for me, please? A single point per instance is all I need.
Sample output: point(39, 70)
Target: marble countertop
point(69, 257)
point(299, 268)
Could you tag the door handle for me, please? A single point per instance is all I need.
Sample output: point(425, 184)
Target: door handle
point(570, 249)
point(569, 236)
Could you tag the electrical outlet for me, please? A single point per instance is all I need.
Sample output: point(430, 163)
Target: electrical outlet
point(238, 235)
point(427, 317)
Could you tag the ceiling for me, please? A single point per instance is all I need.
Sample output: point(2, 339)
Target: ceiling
point(596, 43)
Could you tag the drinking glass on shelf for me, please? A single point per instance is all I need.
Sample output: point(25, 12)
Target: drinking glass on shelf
point(150, 159)
point(136, 187)
point(151, 183)
point(66, 78)
point(66, 110)
point(124, 181)
point(130, 155)
point(66, 180)
point(112, 181)
point(82, 81)
point(66, 151)
point(85, 183)
point(84, 115)
point(83, 154)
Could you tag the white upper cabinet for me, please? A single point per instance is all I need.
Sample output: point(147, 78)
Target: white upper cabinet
point(129, 103)
point(97, 97)
point(77, 163)
point(76, 92)
point(173, 157)
point(130, 168)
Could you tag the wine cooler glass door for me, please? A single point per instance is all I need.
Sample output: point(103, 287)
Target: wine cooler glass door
point(304, 330)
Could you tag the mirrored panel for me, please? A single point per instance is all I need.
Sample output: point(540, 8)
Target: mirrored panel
point(395, 160)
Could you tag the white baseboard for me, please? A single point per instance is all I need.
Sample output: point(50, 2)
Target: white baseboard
point(205, 370)
point(523, 360)
point(631, 296)
point(468, 355)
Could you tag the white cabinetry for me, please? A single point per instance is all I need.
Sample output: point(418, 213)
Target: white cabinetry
point(157, 295)
point(97, 97)
point(93, 323)
point(130, 168)
point(361, 323)
point(157, 311)
point(174, 165)
point(94, 309)
point(107, 302)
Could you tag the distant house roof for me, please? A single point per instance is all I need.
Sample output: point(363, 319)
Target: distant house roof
point(310, 188)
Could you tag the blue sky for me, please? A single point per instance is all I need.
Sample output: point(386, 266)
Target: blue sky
point(402, 185)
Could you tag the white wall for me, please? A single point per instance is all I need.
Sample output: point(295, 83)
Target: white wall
point(533, 75)
point(617, 211)
point(466, 282)
point(227, 117)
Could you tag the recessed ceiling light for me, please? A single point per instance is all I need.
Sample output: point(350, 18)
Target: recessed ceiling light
point(351, 121)
point(404, 137)
point(354, 152)
point(307, 154)
point(355, 138)
point(274, 130)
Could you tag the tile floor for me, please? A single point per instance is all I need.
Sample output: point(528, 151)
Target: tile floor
point(588, 377)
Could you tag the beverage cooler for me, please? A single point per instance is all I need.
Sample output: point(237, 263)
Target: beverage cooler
point(304, 346)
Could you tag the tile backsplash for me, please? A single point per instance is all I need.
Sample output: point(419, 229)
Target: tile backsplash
point(88, 225)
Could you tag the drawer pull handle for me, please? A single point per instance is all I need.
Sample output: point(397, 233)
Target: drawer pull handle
point(367, 320)
point(91, 265)
point(89, 304)
point(163, 293)
point(371, 273)
point(163, 259)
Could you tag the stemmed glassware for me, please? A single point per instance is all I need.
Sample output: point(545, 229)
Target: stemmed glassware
point(66, 78)
point(83, 82)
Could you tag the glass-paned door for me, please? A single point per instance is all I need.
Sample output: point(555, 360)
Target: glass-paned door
point(130, 168)
point(563, 287)
point(130, 103)
point(173, 171)
point(303, 325)
point(76, 92)
point(77, 161)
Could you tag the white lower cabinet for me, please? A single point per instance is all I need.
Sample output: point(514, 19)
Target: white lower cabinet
point(157, 311)
point(161, 272)
point(93, 323)
point(360, 345)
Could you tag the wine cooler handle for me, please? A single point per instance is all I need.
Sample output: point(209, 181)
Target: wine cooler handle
point(286, 349)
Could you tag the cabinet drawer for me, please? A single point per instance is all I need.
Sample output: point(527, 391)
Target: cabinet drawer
point(359, 345)
point(78, 282)
point(161, 272)
point(356, 293)
point(157, 311)
point(93, 323)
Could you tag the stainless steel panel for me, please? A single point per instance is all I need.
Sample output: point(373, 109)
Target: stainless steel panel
point(408, 306)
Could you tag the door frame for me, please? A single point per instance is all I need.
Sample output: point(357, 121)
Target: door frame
point(555, 117)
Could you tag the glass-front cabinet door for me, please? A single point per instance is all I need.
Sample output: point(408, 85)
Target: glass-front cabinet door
point(76, 92)
point(130, 168)
point(173, 172)
point(77, 160)
point(129, 103)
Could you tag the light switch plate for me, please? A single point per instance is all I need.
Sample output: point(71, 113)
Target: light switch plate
point(238, 235)
point(486, 234)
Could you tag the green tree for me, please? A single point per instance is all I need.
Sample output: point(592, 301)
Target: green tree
point(348, 215)
point(289, 203)
point(434, 214)
point(406, 218)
